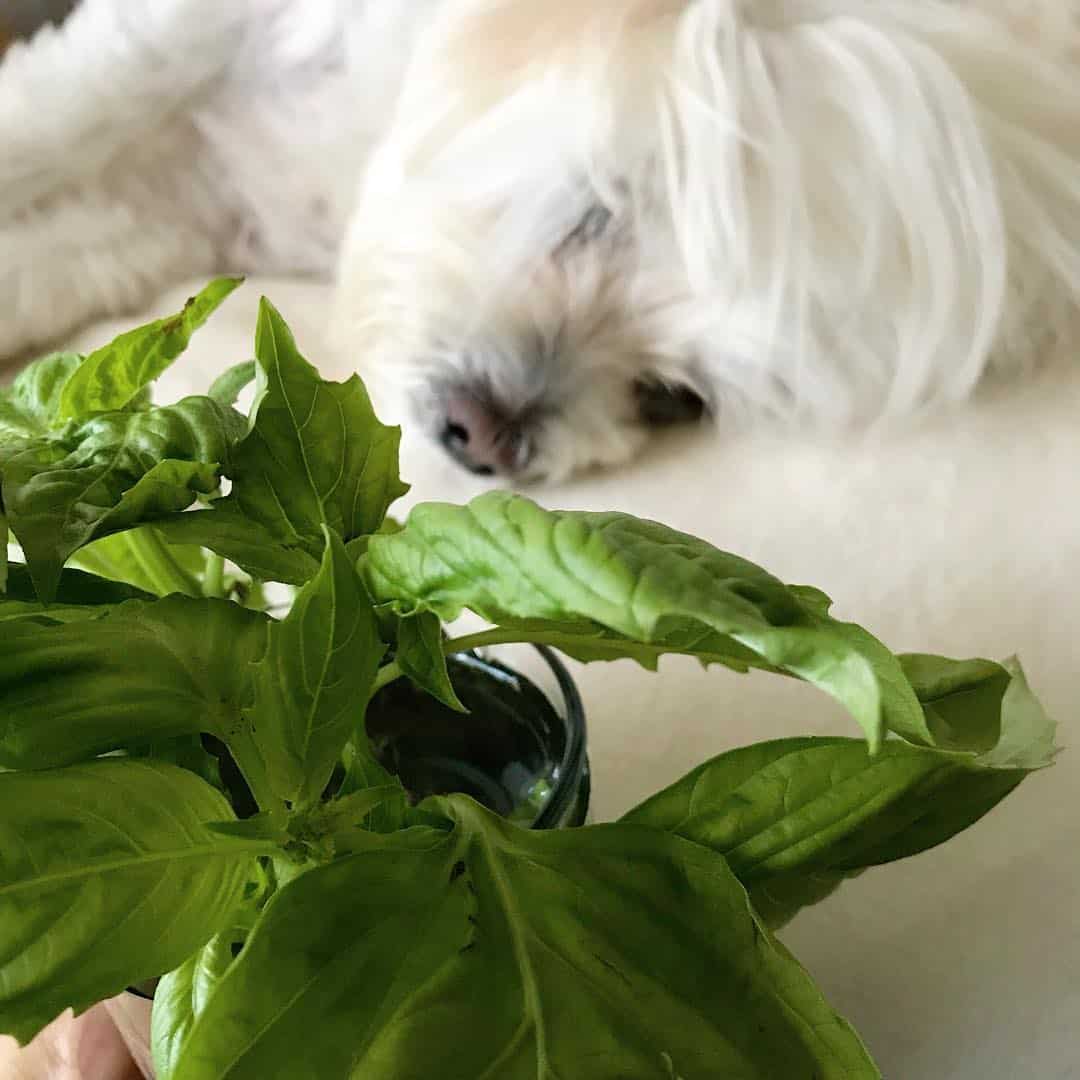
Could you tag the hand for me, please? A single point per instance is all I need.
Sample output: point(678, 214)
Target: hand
point(88, 1047)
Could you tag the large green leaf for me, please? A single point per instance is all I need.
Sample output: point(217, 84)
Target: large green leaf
point(78, 596)
point(316, 456)
point(29, 407)
point(140, 558)
point(142, 672)
point(313, 683)
point(182, 995)
point(111, 377)
point(117, 470)
point(793, 817)
point(226, 530)
point(494, 953)
point(606, 577)
point(108, 876)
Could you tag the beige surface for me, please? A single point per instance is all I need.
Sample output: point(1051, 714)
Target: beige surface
point(963, 538)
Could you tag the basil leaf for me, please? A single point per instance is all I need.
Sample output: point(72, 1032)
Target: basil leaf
point(612, 576)
point(138, 557)
point(186, 751)
point(316, 456)
point(29, 407)
point(226, 531)
point(363, 773)
point(312, 684)
point(492, 951)
point(115, 471)
point(419, 653)
point(228, 386)
point(108, 876)
point(793, 817)
point(983, 707)
point(142, 672)
point(112, 376)
point(182, 994)
point(1028, 738)
point(78, 596)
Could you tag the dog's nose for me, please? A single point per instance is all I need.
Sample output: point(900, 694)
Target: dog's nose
point(478, 436)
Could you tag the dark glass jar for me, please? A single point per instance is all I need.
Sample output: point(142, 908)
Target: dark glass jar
point(520, 750)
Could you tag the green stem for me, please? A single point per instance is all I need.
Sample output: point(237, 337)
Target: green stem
point(165, 573)
point(249, 761)
point(214, 576)
point(498, 636)
point(386, 675)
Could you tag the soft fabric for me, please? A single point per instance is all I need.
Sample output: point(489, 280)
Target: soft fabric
point(962, 537)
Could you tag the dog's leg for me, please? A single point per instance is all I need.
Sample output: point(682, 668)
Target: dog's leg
point(103, 197)
point(83, 255)
point(73, 97)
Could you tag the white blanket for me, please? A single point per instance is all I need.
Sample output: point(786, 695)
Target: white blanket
point(962, 537)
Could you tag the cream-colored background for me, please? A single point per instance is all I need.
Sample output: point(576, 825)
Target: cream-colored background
point(961, 537)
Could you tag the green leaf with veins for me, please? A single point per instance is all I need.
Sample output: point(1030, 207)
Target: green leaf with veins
point(139, 557)
point(182, 994)
point(362, 773)
point(28, 408)
point(117, 470)
point(186, 751)
point(961, 699)
point(78, 596)
point(418, 650)
point(141, 673)
point(108, 876)
point(986, 708)
point(614, 582)
point(316, 456)
point(228, 386)
point(111, 377)
point(249, 545)
point(794, 817)
point(312, 684)
point(490, 952)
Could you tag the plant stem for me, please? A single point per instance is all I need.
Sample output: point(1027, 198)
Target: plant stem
point(386, 675)
point(165, 573)
point(249, 761)
point(214, 576)
point(497, 636)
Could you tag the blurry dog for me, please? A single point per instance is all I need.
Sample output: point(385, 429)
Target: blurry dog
point(564, 224)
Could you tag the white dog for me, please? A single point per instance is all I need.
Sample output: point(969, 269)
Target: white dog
point(566, 222)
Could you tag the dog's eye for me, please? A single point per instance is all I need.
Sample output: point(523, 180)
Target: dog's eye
point(591, 227)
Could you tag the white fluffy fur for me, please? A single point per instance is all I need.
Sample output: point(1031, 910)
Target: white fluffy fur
point(823, 209)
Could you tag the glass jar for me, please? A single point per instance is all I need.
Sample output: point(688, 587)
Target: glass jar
point(520, 750)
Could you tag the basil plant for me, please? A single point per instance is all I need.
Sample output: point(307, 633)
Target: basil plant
point(332, 928)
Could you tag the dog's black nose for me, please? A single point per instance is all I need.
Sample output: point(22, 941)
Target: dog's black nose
point(481, 438)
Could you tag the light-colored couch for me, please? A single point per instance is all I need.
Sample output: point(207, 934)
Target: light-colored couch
point(962, 537)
